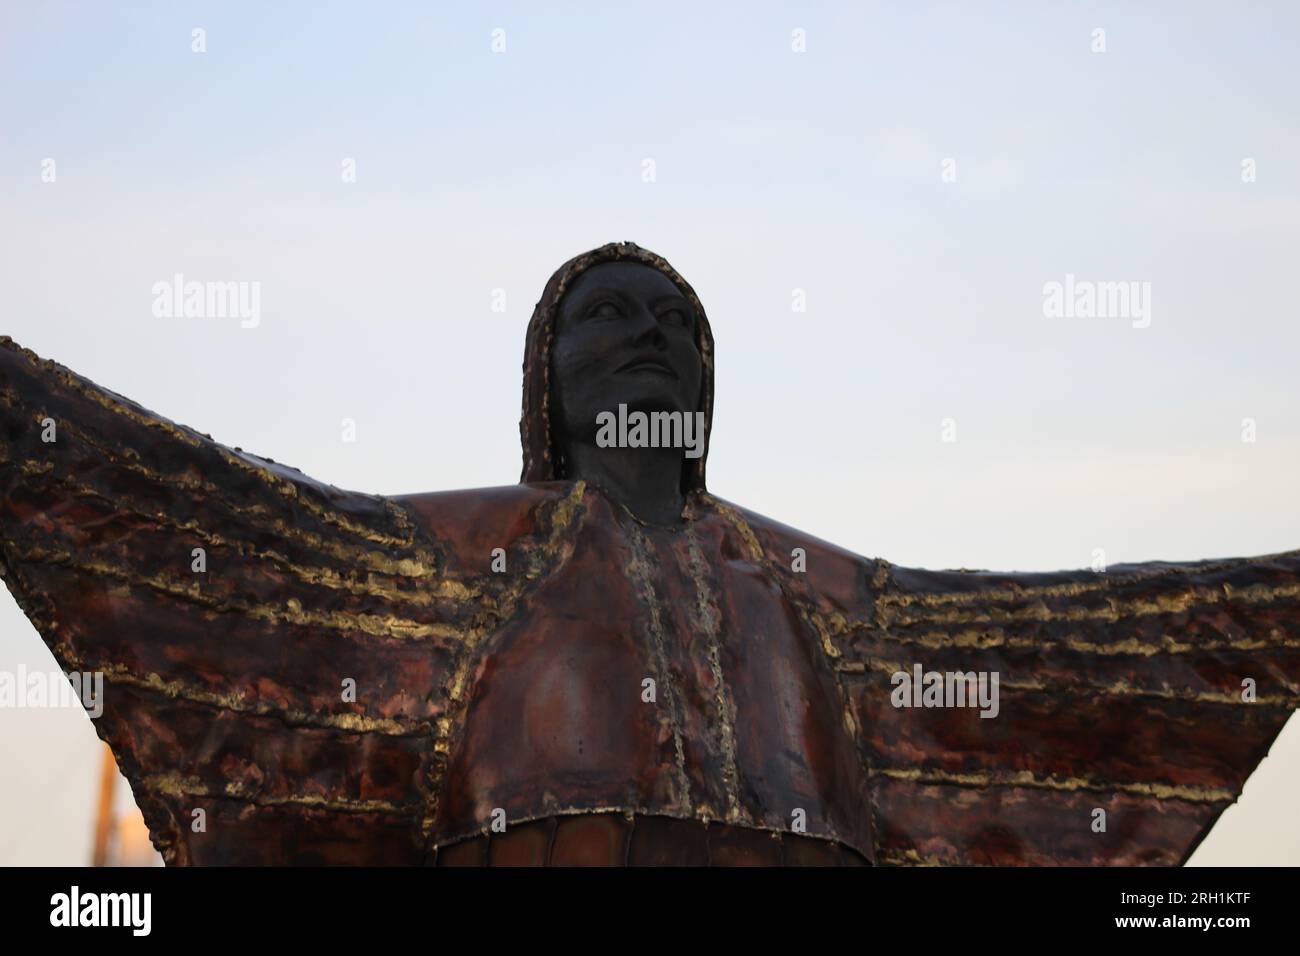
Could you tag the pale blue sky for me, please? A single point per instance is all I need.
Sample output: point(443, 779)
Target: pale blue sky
point(775, 171)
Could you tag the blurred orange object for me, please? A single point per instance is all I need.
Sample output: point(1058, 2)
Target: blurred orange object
point(121, 837)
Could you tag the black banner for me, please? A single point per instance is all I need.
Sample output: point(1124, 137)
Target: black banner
point(924, 906)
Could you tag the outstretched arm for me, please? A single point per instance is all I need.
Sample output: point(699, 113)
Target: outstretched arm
point(274, 650)
point(1131, 706)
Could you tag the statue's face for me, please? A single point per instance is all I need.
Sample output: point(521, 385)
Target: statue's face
point(624, 334)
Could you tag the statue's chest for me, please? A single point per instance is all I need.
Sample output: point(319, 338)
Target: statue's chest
point(658, 672)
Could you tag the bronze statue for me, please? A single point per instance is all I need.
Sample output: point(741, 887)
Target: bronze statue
point(604, 663)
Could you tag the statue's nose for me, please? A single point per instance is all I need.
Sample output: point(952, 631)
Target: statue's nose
point(646, 329)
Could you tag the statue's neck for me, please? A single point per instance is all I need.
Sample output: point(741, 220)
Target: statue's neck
point(645, 481)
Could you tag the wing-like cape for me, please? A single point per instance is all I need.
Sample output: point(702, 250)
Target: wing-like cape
point(275, 650)
point(285, 662)
point(1149, 692)
point(1133, 705)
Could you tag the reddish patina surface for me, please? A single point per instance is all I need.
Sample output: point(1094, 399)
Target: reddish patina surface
point(524, 690)
point(358, 679)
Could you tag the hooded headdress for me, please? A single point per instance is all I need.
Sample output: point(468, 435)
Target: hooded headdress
point(535, 429)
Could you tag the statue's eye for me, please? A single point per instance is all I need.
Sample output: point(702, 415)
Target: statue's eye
point(605, 309)
point(679, 318)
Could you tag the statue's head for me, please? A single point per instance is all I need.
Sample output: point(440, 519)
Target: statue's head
point(615, 326)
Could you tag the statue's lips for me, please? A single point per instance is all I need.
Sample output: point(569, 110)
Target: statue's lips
point(655, 366)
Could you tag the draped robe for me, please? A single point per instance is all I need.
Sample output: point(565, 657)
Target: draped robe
point(616, 693)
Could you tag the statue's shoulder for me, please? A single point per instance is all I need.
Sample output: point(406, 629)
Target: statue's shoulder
point(477, 520)
point(835, 575)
